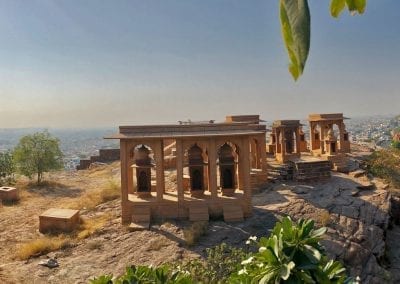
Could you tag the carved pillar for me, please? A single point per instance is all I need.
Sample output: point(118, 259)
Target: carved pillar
point(245, 165)
point(263, 154)
point(297, 132)
point(159, 158)
point(341, 136)
point(212, 168)
point(179, 170)
point(129, 169)
point(283, 142)
point(322, 137)
point(126, 218)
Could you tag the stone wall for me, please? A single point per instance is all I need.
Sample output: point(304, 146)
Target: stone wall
point(105, 156)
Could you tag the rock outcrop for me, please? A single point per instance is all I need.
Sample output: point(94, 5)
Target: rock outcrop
point(356, 216)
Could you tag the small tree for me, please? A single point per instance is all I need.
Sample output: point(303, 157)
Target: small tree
point(38, 153)
point(6, 168)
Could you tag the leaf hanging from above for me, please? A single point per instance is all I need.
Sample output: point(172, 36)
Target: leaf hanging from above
point(337, 7)
point(295, 25)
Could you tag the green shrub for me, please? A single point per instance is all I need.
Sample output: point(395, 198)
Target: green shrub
point(7, 169)
point(146, 274)
point(385, 164)
point(292, 254)
point(220, 263)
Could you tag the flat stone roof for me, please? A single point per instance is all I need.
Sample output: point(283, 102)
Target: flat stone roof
point(59, 213)
point(182, 131)
point(288, 123)
point(326, 116)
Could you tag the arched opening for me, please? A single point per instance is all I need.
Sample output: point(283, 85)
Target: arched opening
point(290, 141)
point(142, 166)
point(197, 180)
point(336, 133)
point(227, 170)
point(196, 168)
point(227, 179)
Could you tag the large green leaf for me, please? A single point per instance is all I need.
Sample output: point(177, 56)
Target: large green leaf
point(337, 7)
point(295, 25)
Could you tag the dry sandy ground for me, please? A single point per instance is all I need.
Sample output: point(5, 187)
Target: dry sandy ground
point(113, 247)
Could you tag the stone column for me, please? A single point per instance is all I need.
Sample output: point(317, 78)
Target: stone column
point(253, 150)
point(245, 165)
point(212, 166)
point(263, 154)
point(126, 218)
point(312, 136)
point(322, 137)
point(297, 131)
point(283, 142)
point(130, 172)
point(179, 170)
point(160, 179)
point(341, 135)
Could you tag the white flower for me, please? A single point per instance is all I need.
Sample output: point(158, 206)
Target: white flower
point(242, 271)
point(253, 238)
point(247, 261)
point(261, 249)
point(247, 242)
point(260, 265)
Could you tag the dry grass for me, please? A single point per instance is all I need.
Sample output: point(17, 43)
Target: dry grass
point(51, 243)
point(91, 226)
point(42, 246)
point(157, 243)
point(110, 191)
point(324, 218)
point(194, 232)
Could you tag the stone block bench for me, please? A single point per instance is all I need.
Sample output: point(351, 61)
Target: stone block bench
point(58, 220)
point(8, 194)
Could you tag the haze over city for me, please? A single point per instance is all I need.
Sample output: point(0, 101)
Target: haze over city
point(131, 62)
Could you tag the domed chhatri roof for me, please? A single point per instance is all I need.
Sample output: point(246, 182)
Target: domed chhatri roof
point(142, 155)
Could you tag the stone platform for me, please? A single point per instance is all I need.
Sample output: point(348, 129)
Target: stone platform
point(8, 194)
point(58, 220)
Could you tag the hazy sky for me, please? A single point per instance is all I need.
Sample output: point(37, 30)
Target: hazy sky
point(105, 63)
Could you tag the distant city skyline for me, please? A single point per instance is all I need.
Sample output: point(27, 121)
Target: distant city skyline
point(109, 63)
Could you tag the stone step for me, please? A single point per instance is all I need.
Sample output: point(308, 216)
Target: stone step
point(232, 213)
point(139, 226)
point(198, 213)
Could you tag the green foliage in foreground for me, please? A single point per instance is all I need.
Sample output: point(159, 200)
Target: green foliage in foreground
point(395, 144)
point(291, 254)
point(386, 164)
point(7, 169)
point(38, 153)
point(296, 25)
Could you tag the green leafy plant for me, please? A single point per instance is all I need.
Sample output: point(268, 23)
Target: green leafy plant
point(296, 25)
point(38, 153)
point(292, 254)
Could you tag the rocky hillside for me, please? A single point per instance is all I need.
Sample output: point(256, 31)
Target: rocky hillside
point(354, 207)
